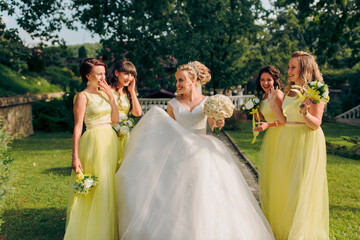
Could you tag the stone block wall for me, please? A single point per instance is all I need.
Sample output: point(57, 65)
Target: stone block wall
point(17, 112)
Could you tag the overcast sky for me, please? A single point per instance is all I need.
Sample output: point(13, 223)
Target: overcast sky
point(80, 36)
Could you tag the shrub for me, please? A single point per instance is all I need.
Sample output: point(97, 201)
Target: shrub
point(53, 116)
point(5, 166)
point(351, 150)
point(237, 120)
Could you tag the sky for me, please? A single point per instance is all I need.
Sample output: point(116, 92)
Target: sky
point(71, 37)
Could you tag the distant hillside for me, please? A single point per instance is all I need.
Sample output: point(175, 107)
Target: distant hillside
point(92, 49)
point(53, 79)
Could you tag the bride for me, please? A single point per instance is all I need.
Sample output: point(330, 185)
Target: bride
point(177, 183)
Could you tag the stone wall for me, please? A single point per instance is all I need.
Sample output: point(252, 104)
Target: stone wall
point(17, 115)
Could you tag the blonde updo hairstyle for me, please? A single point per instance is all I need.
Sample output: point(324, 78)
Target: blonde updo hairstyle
point(196, 70)
point(309, 70)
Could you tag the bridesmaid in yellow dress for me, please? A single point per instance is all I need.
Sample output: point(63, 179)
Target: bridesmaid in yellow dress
point(93, 216)
point(122, 79)
point(268, 82)
point(298, 206)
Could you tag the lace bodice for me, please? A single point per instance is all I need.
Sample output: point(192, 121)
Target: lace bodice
point(194, 121)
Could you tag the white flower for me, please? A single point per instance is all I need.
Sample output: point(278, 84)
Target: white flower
point(249, 105)
point(326, 93)
point(128, 123)
point(116, 127)
point(320, 84)
point(256, 100)
point(122, 118)
point(312, 83)
point(212, 107)
point(124, 130)
point(88, 183)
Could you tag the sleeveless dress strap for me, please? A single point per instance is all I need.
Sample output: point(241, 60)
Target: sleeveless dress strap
point(173, 102)
point(87, 97)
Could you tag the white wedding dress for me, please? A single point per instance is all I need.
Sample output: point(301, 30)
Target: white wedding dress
point(177, 183)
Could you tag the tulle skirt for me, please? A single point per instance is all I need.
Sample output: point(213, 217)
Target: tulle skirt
point(298, 205)
point(266, 161)
point(176, 185)
point(94, 216)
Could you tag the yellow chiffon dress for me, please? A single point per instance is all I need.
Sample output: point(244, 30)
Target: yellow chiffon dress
point(93, 216)
point(123, 105)
point(266, 156)
point(299, 205)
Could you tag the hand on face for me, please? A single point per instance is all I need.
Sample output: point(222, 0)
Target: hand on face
point(105, 87)
point(132, 85)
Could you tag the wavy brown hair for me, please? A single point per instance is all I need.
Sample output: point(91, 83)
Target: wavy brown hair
point(121, 66)
point(275, 74)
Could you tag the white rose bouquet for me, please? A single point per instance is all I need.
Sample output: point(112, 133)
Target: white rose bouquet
point(252, 105)
point(84, 183)
point(124, 126)
point(218, 107)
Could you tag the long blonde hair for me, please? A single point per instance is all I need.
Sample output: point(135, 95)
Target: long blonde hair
point(309, 70)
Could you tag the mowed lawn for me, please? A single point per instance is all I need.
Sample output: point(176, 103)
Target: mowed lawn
point(36, 207)
point(343, 178)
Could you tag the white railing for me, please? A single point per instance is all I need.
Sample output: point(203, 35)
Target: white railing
point(147, 103)
point(238, 100)
point(350, 114)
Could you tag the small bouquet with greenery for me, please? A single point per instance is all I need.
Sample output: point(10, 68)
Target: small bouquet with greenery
point(124, 126)
point(84, 183)
point(317, 91)
point(218, 107)
point(252, 105)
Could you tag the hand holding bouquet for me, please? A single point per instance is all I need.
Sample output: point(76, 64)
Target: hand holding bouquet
point(252, 106)
point(84, 183)
point(124, 126)
point(317, 92)
point(218, 107)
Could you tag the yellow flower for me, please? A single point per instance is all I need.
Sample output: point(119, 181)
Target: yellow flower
point(79, 177)
point(313, 94)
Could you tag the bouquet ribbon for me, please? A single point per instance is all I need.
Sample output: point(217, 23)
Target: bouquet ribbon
point(255, 133)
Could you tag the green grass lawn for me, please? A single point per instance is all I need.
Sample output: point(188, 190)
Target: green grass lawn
point(343, 178)
point(35, 209)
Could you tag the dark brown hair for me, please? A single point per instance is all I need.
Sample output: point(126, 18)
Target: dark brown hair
point(275, 73)
point(87, 66)
point(121, 66)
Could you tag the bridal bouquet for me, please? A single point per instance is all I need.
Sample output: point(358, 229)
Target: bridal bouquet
point(124, 126)
point(84, 183)
point(218, 107)
point(252, 105)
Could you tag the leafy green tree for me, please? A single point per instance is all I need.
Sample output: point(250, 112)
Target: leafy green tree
point(82, 52)
point(13, 53)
